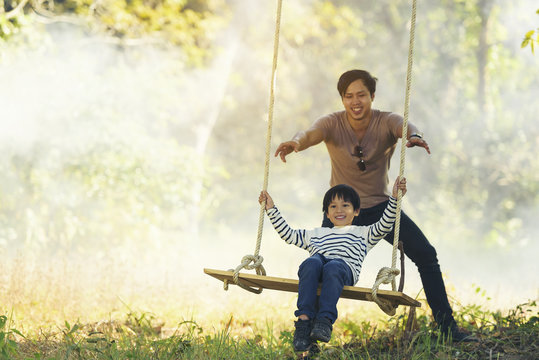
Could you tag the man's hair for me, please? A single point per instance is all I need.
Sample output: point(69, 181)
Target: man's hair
point(341, 191)
point(352, 75)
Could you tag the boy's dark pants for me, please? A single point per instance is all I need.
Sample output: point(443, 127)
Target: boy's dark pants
point(334, 274)
point(422, 253)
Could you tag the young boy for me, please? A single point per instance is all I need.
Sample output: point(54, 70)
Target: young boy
point(336, 257)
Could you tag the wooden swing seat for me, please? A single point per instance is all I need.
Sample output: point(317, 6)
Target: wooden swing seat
point(291, 285)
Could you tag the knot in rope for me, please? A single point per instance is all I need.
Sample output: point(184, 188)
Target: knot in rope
point(246, 261)
point(385, 276)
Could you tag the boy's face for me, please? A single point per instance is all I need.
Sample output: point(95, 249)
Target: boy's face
point(340, 212)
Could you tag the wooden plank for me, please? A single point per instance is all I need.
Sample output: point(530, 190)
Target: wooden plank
point(291, 285)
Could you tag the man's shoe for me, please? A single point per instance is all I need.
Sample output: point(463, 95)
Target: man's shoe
point(321, 330)
point(302, 340)
point(457, 335)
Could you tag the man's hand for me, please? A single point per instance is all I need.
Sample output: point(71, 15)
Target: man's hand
point(286, 148)
point(417, 141)
point(399, 184)
point(264, 196)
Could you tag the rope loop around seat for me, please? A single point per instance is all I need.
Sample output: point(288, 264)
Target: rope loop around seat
point(386, 275)
point(246, 261)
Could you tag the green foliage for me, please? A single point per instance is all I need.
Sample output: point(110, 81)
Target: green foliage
point(529, 38)
point(472, 94)
point(73, 341)
point(500, 335)
point(110, 195)
point(466, 93)
point(8, 344)
point(188, 24)
point(9, 27)
point(111, 165)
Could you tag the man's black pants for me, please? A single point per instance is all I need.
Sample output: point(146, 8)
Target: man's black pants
point(423, 255)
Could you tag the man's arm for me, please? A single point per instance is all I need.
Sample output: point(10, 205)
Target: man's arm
point(415, 137)
point(412, 129)
point(301, 141)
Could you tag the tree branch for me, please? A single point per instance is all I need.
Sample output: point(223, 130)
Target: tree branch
point(13, 13)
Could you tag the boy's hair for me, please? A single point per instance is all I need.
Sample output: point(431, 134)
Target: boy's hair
point(352, 75)
point(341, 191)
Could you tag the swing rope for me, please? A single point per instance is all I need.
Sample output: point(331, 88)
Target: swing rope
point(387, 275)
point(257, 259)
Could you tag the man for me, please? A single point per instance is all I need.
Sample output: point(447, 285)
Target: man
point(360, 142)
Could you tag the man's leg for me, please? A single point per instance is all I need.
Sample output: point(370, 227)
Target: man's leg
point(422, 253)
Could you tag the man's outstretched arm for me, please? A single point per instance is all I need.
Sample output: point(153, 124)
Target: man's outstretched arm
point(415, 137)
point(301, 141)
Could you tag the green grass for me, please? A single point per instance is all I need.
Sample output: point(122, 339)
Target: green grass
point(139, 335)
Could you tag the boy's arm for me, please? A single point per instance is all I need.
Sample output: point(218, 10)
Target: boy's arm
point(265, 197)
point(382, 227)
point(289, 235)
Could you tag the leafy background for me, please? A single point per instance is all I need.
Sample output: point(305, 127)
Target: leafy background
point(132, 143)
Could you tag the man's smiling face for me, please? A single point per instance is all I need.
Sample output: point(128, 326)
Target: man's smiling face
point(357, 101)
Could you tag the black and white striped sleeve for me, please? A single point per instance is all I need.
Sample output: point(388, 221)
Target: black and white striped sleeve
point(380, 229)
point(291, 236)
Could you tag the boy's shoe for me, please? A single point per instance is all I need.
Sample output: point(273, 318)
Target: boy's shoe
point(302, 341)
point(321, 330)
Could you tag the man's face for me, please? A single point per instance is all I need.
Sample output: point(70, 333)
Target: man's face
point(340, 212)
point(357, 101)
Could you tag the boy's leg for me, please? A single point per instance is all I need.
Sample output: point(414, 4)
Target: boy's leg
point(335, 275)
point(302, 339)
point(309, 274)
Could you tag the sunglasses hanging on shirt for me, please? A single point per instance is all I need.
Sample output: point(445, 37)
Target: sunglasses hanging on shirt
point(358, 152)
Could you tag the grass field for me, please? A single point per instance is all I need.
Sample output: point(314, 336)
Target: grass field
point(513, 335)
point(64, 312)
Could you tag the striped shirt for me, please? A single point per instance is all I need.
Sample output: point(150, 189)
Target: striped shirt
point(348, 243)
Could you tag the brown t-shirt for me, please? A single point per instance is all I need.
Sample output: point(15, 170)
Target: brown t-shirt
point(378, 146)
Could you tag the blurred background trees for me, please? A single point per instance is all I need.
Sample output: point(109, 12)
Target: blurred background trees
point(142, 122)
point(189, 24)
point(529, 39)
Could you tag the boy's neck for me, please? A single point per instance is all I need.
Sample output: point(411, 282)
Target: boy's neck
point(340, 226)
